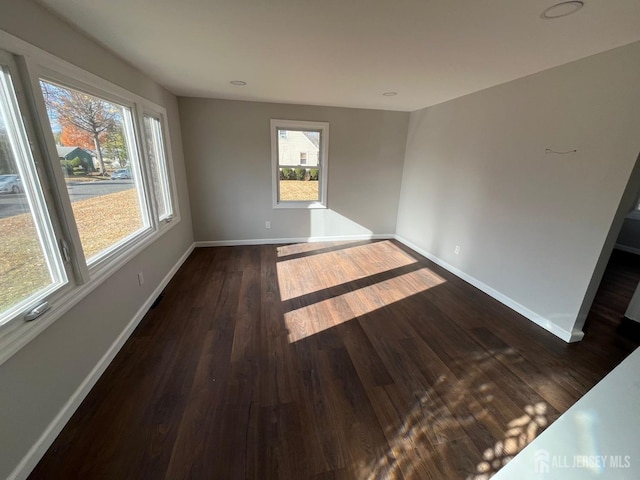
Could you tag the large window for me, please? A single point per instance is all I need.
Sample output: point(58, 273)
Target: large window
point(98, 155)
point(299, 156)
point(85, 185)
point(30, 264)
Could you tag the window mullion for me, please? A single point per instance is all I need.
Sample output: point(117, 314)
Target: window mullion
point(67, 230)
point(134, 128)
point(157, 166)
point(144, 156)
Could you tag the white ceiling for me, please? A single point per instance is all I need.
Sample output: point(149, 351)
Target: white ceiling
point(347, 52)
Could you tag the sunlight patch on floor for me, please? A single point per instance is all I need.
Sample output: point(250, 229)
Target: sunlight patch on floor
point(329, 313)
point(522, 431)
point(424, 438)
point(308, 247)
point(305, 275)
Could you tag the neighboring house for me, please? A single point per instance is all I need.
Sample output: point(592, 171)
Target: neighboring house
point(298, 148)
point(70, 153)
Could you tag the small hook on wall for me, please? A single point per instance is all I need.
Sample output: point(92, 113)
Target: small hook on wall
point(548, 150)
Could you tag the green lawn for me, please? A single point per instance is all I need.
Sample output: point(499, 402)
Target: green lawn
point(298, 190)
point(102, 221)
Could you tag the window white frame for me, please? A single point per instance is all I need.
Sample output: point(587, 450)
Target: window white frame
point(168, 181)
point(323, 161)
point(34, 63)
point(21, 137)
point(134, 133)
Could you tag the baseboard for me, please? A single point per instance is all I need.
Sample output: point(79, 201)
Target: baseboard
point(545, 323)
point(33, 456)
point(625, 248)
point(275, 241)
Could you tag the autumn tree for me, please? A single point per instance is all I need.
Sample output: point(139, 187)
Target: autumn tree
point(85, 112)
point(116, 146)
point(72, 136)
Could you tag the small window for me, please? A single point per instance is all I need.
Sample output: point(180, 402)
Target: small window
point(31, 266)
point(101, 167)
point(158, 164)
point(300, 160)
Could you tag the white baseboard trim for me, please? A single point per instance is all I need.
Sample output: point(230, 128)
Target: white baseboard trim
point(625, 248)
point(35, 453)
point(274, 241)
point(545, 323)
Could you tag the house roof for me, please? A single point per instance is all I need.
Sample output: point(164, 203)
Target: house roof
point(64, 152)
point(314, 138)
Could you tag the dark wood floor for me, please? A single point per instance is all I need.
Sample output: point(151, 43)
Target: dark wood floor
point(330, 361)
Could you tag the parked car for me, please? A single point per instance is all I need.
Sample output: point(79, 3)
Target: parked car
point(10, 184)
point(121, 173)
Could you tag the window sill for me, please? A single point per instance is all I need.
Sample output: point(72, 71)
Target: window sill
point(300, 205)
point(17, 333)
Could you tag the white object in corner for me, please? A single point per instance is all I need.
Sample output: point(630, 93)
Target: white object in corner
point(596, 438)
point(548, 325)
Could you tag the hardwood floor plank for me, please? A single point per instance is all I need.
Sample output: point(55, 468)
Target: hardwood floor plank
point(340, 360)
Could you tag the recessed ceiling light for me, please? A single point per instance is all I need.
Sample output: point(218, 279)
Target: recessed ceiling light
point(390, 94)
point(240, 83)
point(562, 9)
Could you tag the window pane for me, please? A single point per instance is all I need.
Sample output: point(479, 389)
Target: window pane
point(98, 155)
point(298, 162)
point(30, 266)
point(158, 165)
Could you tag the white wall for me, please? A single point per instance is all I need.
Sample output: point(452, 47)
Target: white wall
point(530, 225)
point(38, 380)
point(227, 148)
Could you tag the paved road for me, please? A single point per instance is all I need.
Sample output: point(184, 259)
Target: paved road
point(12, 204)
point(85, 190)
point(15, 204)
